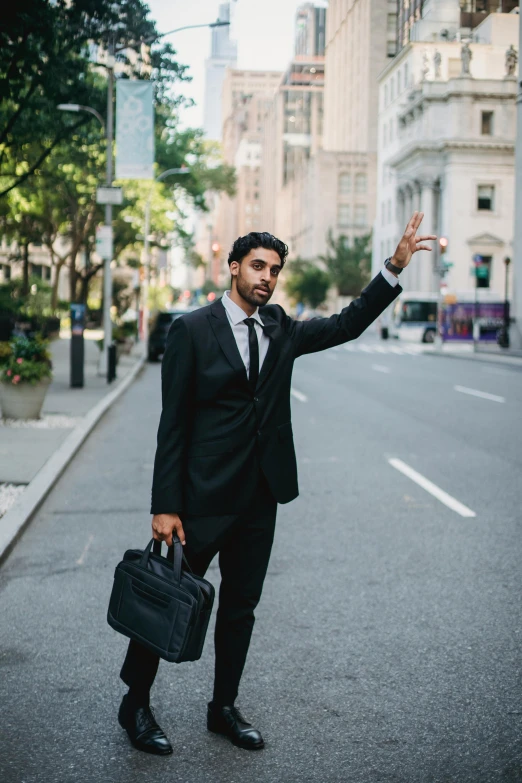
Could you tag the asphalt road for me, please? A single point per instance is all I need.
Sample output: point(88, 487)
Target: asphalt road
point(387, 642)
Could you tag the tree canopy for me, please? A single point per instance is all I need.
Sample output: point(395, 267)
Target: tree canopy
point(349, 264)
point(52, 161)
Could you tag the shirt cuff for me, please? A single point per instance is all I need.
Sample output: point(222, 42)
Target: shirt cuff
point(392, 280)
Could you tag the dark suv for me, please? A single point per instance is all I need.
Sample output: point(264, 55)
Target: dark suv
point(159, 331)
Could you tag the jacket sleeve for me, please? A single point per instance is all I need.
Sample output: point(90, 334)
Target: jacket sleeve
point(177, 386)
point(350, 323)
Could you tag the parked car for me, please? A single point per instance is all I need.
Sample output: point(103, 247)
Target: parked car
point(159, 331)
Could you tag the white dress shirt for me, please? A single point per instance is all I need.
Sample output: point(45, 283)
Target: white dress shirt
point(236, 317)
point(389, 276)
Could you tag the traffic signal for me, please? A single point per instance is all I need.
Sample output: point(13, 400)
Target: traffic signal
point(443, 245)
point(215, 248)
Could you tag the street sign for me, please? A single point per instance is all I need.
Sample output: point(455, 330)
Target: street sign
point(109, 196)
point(482, 271)
point(104, 242)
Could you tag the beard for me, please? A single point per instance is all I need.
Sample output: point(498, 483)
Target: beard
point(249, 294)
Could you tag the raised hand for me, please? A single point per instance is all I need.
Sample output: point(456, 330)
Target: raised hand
point(410, 242)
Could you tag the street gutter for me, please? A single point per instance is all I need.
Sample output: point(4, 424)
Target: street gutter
point(14, 521)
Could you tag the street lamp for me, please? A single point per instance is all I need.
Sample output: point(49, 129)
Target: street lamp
point(146, 258)
point(109, 134)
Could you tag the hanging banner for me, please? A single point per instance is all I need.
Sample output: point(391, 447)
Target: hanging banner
point(134, 129)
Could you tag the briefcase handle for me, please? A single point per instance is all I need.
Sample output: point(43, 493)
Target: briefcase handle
point(174, 555)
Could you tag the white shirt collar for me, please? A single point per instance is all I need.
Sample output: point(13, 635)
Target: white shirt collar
point(236, 314)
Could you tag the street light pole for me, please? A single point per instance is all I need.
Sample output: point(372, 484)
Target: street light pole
point(108, 130)
point(516, 330)
point(146, 259)
point(107, 281)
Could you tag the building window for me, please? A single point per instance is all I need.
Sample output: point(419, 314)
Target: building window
point(484, 272)
point(7, 272)
point(343, 215)
point(389, 211)
point(361, 183)
point(406, 75)
point(486, 198)
point(383, 213)
point(486, 123)
point(345, 184)
point(256, 195)
point(360, 215)
point(385, 94)
point(248, 208)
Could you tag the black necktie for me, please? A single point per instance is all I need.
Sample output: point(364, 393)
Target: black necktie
point(253, 348)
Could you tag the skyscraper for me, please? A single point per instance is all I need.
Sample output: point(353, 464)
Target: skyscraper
point(223, 55)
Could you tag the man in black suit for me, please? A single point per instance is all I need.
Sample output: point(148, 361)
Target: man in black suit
point(225, 455)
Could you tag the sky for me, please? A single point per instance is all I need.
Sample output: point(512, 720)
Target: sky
point(264, 31)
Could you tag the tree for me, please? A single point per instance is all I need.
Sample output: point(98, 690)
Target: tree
point(349, 264)
point(45, 52)
point(51, 162)
point(307, 284)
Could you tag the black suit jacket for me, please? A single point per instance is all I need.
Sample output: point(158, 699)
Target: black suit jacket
point(214, 430)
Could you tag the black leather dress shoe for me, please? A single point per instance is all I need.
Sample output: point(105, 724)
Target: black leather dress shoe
point(144, 733)
point(230, 722)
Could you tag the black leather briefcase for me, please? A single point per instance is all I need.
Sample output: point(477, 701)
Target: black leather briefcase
point(160, 603)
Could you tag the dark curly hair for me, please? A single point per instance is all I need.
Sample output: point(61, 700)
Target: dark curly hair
point(243, 245)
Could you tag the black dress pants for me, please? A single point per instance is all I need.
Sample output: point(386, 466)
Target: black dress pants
point(244, 543)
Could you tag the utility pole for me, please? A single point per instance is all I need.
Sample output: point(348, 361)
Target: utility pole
point(516, 329)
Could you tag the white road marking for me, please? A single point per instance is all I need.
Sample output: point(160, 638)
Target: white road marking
point(349, 347)
point(333, 358)
point(298, 395)
point(476, 393)
point(380, 368)
point(432, 488)
point(85, 550)
point(365, 348)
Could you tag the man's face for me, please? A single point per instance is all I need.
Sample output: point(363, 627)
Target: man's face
point(256, 275)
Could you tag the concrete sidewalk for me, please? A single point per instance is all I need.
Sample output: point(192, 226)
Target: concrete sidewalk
point(37, 451)
point(500, 356)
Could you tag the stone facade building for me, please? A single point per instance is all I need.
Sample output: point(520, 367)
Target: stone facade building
point(446, 147)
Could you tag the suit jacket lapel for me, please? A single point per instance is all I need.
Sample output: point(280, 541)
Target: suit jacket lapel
point(225, 337)
point(274, 332)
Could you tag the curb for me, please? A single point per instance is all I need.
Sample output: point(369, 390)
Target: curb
point(512, 361)
point(14, 522)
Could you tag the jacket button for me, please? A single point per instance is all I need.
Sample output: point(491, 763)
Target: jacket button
point(256, 399)
point(259, 432)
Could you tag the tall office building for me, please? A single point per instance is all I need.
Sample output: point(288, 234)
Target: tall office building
point(223, 55)
point(310, 29)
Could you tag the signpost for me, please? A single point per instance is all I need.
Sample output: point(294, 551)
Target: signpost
point(109, 195)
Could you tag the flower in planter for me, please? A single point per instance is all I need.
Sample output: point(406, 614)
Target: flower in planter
point(28, 363)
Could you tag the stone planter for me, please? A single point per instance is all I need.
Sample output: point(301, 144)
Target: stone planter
point(23, 401)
